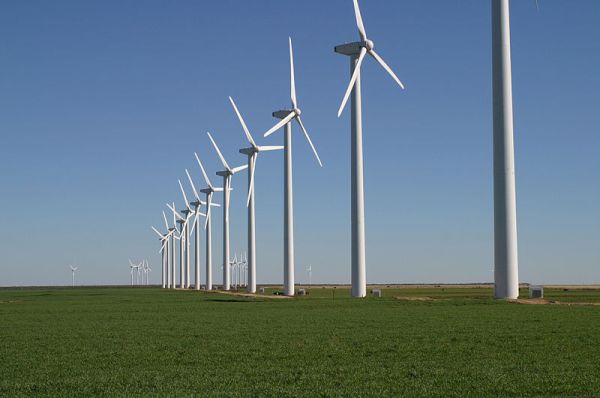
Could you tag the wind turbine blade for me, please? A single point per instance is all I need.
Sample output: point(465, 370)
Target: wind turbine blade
point(386, 67)
point(292, 77)
point(281, 123)
point(162, 248)
point(537, 5)
point(203, 171)
point(359, 22)
point(239, 168)
point(174, 215)
point(158, 233)
point(355, 76)
point(185, 199)
point(218, 151)
point(166, 222)
point(239, 115)
point(269, 147)
point(193, 186)
point(251, 186)
point(175, 212)
point(227, 192)
point(194, 223)
point(209, 205)
point(309, 140)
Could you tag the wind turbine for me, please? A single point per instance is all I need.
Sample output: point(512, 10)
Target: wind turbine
point(209, 191)
point(167, 250)
point(184, 234)
point(357, 52)
point(196, 226)
point(233, 264)
point(138, 268)
point(252, 153)
point(73, 269)
point(182, 238)
point(187, 212)
point(147, 271)
point(286, 117)
point(171, 250)
point(309, 270)
point(132, 267)
point(245, 270)
point(164, 250)
point(226, 174)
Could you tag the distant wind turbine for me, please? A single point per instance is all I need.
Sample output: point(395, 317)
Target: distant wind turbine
point(227, 174)
point(252, 153)
point(73, 269)
point(209, 191)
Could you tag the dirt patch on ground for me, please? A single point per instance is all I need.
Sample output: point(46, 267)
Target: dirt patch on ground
point(420, 298)
point(243, 294)
point(9, 301)
point(548, 302)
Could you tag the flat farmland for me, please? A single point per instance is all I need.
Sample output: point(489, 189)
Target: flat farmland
point(427, 341)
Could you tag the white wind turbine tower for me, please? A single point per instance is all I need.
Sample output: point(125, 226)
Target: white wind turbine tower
point(232, 266)
point(132, 267)
point(506, 261)
point(188, 213)
point(139, 271)
point(167, 250)
point(196, 226)
point(164, 250)
point(226, 174)
point(286, 117)
point(147, 271)
point(182, 242)
point(309, 270)
point(252, 153)
point(245, 270)
point(357, 52)
point(73, 269)
point(209, 191)
point(171, 250)
point(143, 271)
point(184, 234)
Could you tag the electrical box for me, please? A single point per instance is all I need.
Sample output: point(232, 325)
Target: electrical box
point(536, 291)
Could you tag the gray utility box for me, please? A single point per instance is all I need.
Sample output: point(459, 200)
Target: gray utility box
point(262, 290)
point(536, 291)
point(301, 292)
point(376, 292)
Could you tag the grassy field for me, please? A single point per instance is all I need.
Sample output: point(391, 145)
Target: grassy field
point(151, 342)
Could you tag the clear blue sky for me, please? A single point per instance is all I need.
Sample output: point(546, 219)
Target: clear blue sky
point(102, 105)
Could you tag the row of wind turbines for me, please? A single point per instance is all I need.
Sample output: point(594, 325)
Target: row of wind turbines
point(505, 233)
point(142, 268)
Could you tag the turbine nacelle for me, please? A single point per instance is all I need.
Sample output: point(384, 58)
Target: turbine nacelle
point(224, 173)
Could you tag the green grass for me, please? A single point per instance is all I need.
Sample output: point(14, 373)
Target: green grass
point(151, 342)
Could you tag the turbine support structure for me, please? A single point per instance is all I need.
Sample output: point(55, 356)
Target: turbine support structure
point(506, 265)
point(288, 208)
point(358, 265)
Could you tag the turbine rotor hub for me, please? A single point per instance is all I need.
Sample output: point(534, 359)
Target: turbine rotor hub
point(369, 45)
